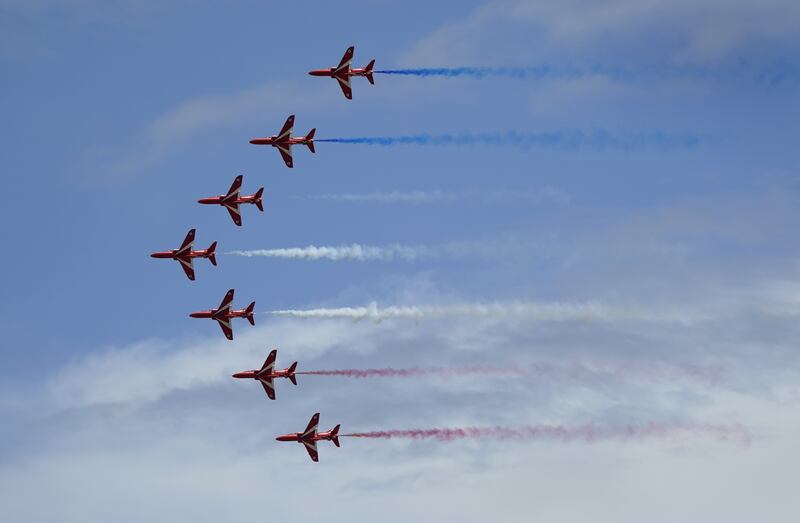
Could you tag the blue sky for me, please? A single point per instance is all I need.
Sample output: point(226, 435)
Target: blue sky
point(120, 115)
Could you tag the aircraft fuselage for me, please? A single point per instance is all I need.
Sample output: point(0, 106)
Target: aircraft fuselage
point(173, 254)
point(298, 436)
point(255, 374)
point(220, 200)
point(331, 72)
point(212, 313)
point(273, 141)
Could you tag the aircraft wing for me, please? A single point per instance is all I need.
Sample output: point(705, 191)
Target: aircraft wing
point(311, 429)
point(188, 242)
point(269, 387)
point(187, 266)
point(344, 64)
point(311, 447)
point(269, 363)
point(226, 302)
point(233, 210)
point(286, 130)
point(344, 83)
point(225, 325)
point(233, 192)
point(286, 154)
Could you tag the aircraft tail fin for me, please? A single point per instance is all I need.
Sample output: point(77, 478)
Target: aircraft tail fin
point(249, 313)
point(212, 255)
point(257, 199)
point(310, 140)
point(335, 435)
point(369, 68)
point(292, 376)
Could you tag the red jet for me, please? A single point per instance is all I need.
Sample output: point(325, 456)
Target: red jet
point(268, 373)
point(223, 314)
point(284, 141)
point(342, 73)
point(185, 254)
point(232, 199)
point(310, 437)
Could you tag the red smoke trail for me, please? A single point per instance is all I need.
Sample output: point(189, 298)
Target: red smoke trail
point(574, 371)
point(390, 372)
point(585, 433)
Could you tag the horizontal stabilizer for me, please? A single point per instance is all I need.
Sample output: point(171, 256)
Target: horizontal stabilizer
point(368, 68)
point(212, 257)
point(310, 140)
point(249, 313)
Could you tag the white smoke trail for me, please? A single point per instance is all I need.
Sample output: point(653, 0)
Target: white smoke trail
point(485, 250)
point(345, 252)
point(414, 197)
point(588, 311)
point(547, 194)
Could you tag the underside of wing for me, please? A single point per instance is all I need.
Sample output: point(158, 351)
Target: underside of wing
point(311, 447)
point(188, 242)
point(233, 210)
point(344, 83)
point(187, 266)
point(269, 387)
point(286, 130)
point(311, 428)
point(226, 302)
point(286, 154)
point(225, 325)
point(347, 59)
point(269, 363)
point(233, 192)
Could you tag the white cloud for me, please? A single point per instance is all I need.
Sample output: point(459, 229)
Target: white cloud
point(701, 31)
point(187, 120)
point(145, 431)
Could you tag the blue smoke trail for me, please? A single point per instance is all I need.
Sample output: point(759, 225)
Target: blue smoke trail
point(774, 74)
point(598, 139)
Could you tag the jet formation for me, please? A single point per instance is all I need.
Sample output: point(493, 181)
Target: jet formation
point(231, 201)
